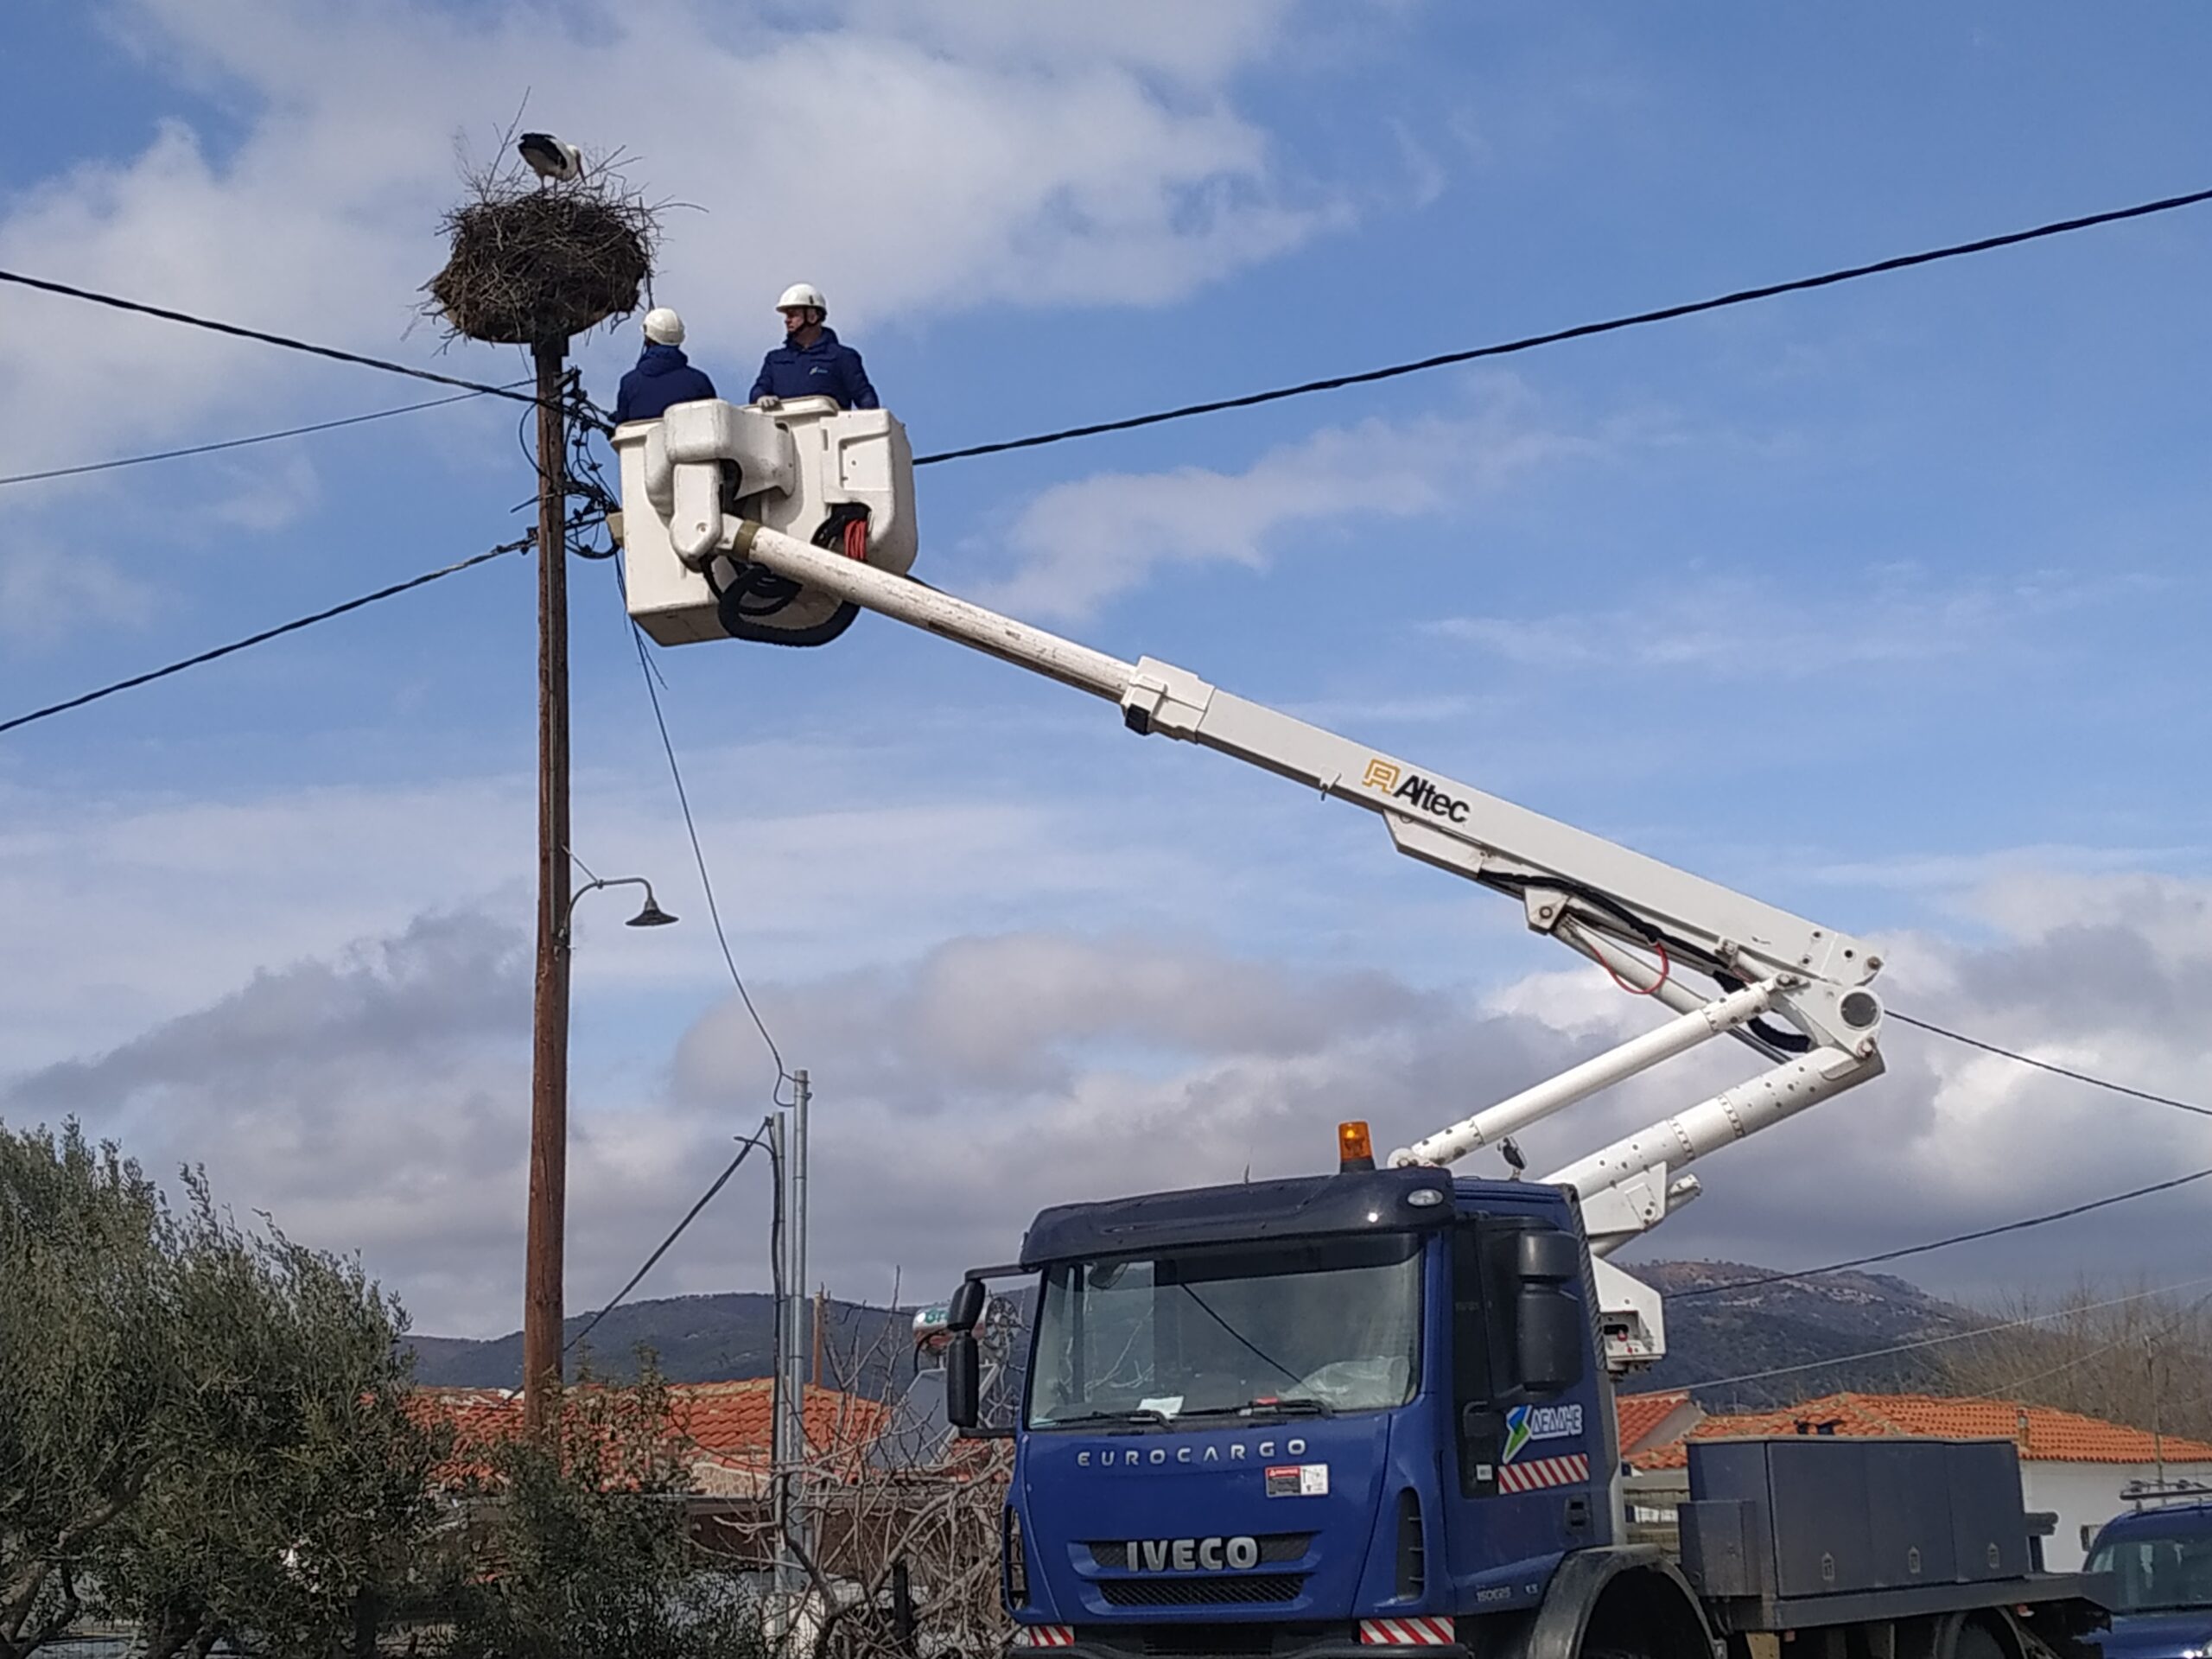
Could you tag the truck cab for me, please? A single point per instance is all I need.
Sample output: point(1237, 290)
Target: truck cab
point(1305, 1415)
point(1310, 1417)
point(2153, 1568)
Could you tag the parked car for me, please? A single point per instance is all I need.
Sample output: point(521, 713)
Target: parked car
point(2154, 1566)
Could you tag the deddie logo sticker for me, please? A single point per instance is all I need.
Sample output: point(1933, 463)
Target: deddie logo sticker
point(1526, 1423)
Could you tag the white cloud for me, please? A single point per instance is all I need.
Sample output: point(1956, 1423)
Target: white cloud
point(45, 595)
point(961, 169)
point(377, 1098)
point(911, 161)
point(1077, 545)
point(1752, 628)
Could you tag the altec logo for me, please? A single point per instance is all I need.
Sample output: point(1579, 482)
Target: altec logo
point(1387, 778)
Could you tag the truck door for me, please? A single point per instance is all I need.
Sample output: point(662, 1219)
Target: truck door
point(1530, 1453)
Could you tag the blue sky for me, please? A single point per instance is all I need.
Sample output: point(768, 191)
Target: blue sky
point(1882, 603)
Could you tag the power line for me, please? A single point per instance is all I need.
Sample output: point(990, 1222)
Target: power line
point(1584, 331)
point(237, 443)
point(287, 342)
point(1503, 349)
point(699, 856)
point(745, 1150)
point(267, 634)
point(2046, 1066)
point(1937, 1342)
point(2019, 1382)
point(2020, 1226)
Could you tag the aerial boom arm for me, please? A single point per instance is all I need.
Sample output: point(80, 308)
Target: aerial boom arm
point(1794, 992)
point(1593, 893)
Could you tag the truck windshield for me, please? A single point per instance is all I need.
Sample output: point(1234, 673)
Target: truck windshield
point(2155, 1572)
point(1313, 1327)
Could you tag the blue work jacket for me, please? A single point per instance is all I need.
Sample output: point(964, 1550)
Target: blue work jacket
point(826, 368)
point(663, 376)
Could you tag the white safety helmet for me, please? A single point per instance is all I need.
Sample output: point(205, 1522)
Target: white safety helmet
point(804, 293)
point(663, 327)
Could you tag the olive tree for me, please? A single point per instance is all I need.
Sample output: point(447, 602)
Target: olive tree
point(203, 1431)
point(89, 1372)
point(584, 1550)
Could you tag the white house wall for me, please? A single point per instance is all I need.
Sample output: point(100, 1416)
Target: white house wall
point(2087, 1495)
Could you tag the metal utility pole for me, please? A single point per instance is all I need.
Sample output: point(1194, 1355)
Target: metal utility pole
point(783, 1447)
point(549, 1082)
point(796, 1517)
point(802, 1097)
point(787, 1147)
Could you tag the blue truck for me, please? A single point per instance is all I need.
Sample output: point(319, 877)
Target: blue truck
point(1308, 1418)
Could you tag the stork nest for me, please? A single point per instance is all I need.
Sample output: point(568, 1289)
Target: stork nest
point(535, 263)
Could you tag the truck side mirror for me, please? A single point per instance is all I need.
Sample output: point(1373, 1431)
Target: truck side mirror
point(966, 1306)
point(963, 1367)
point(1546, 1255)
point(1551, 1331)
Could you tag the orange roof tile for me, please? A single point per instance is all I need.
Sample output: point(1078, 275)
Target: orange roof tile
point(729, 1423)
point(2044, 1433)
point(727, 1419)
point(1639, 1415)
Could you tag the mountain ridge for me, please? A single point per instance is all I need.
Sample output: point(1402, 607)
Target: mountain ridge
point(1740, 1338)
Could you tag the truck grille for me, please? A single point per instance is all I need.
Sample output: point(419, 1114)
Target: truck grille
point(1240, 1589)
point(1275, 1548)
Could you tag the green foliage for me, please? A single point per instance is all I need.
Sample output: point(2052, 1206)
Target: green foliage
point(209, 1434)
point(87, 1372)
point(297, 1497)
point(584, 1549)
point(201, 1431)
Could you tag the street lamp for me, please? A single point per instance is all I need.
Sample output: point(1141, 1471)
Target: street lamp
point(649, 914)
point(544, 1248)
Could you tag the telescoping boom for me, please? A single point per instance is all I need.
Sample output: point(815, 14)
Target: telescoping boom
point(712, 495)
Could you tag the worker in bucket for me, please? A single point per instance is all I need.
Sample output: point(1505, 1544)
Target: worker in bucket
point(664, 375)
point(812, 362)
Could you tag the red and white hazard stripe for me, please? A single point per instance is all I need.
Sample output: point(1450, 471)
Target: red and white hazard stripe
point(1044, 1636)
point(1539, 1472)
point(1406, 1632)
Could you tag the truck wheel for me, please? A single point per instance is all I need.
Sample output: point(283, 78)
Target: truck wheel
point(1977, 1641)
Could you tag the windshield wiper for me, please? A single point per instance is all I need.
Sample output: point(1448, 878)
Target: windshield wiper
point(1134, 1415)
point(1290, 1405)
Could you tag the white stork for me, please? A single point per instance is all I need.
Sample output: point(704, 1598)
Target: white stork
point(551, 158)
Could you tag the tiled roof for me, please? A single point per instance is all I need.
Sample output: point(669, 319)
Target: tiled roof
point(728, 1423)
point(2043, 1434)
point(733, 1419)
point(1641, 1414)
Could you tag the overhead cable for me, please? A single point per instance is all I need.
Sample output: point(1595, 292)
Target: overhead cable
point(1503, 348)
point(1937, 1342)
point(267, 634)
point(2046, 1066)
point(239, 443)
point(744, 1151)
point(2011, 1389)
point(287, 342)
point(2019, 1226)
point(699, 856)
point(1582, 331)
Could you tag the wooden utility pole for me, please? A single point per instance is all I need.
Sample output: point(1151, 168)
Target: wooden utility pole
point(548, 1081)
